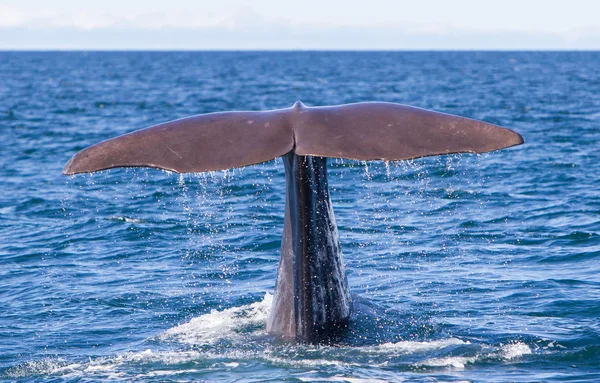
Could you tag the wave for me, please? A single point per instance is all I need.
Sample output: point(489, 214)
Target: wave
point(216, 325)
point(225, 340)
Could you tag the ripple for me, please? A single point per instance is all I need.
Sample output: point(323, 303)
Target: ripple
point(474, 268)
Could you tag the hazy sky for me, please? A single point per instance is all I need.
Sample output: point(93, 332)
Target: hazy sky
point(306, 24)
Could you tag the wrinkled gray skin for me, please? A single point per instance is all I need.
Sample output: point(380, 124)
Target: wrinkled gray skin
point(311, 302)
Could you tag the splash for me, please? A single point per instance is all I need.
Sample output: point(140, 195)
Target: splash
point(503, 353)
point(410, 347)
point(234, 338)
point(515, 350)
point(216, 325)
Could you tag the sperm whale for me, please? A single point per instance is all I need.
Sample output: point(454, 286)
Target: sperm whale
point(312, 300)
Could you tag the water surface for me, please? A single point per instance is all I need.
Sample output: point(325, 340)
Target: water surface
point(464, 268)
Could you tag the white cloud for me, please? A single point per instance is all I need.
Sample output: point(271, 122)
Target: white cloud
point(310, 24)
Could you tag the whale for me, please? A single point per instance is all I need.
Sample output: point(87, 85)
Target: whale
point(312, 301)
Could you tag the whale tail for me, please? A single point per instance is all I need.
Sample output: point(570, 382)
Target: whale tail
point(312, 300)
point(362, 131)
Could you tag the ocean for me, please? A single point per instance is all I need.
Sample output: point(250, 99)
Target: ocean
point(464, 268)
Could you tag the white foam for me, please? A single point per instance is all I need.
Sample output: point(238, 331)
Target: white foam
point(307, 362)
point(234, 356)
point(96, 368)
point(162, 357)
point(216, 325)
point(127, 219)
point(7, 210)
point(458, 362)
point(515, 350)
point(506, 352)
point(334, 357)
point(342, 379)
point(233, 323)
point(42, 367)
point(411, 347)
point(169, 372)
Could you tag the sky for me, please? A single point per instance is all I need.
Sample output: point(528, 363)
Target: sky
point(306, 24)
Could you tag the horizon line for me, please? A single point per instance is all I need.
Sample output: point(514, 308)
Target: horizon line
point(275, 50)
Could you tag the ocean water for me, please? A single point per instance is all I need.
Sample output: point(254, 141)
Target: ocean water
point(465, 268)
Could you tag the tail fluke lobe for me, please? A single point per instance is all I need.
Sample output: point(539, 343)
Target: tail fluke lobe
point(363, 131)
point(393, 132)
point(214, 141)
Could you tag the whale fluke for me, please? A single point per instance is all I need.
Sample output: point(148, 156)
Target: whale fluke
point(214, 141)
point(394, 132)
point(362, 131)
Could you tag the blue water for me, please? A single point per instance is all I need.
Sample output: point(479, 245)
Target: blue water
point(465, 268)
